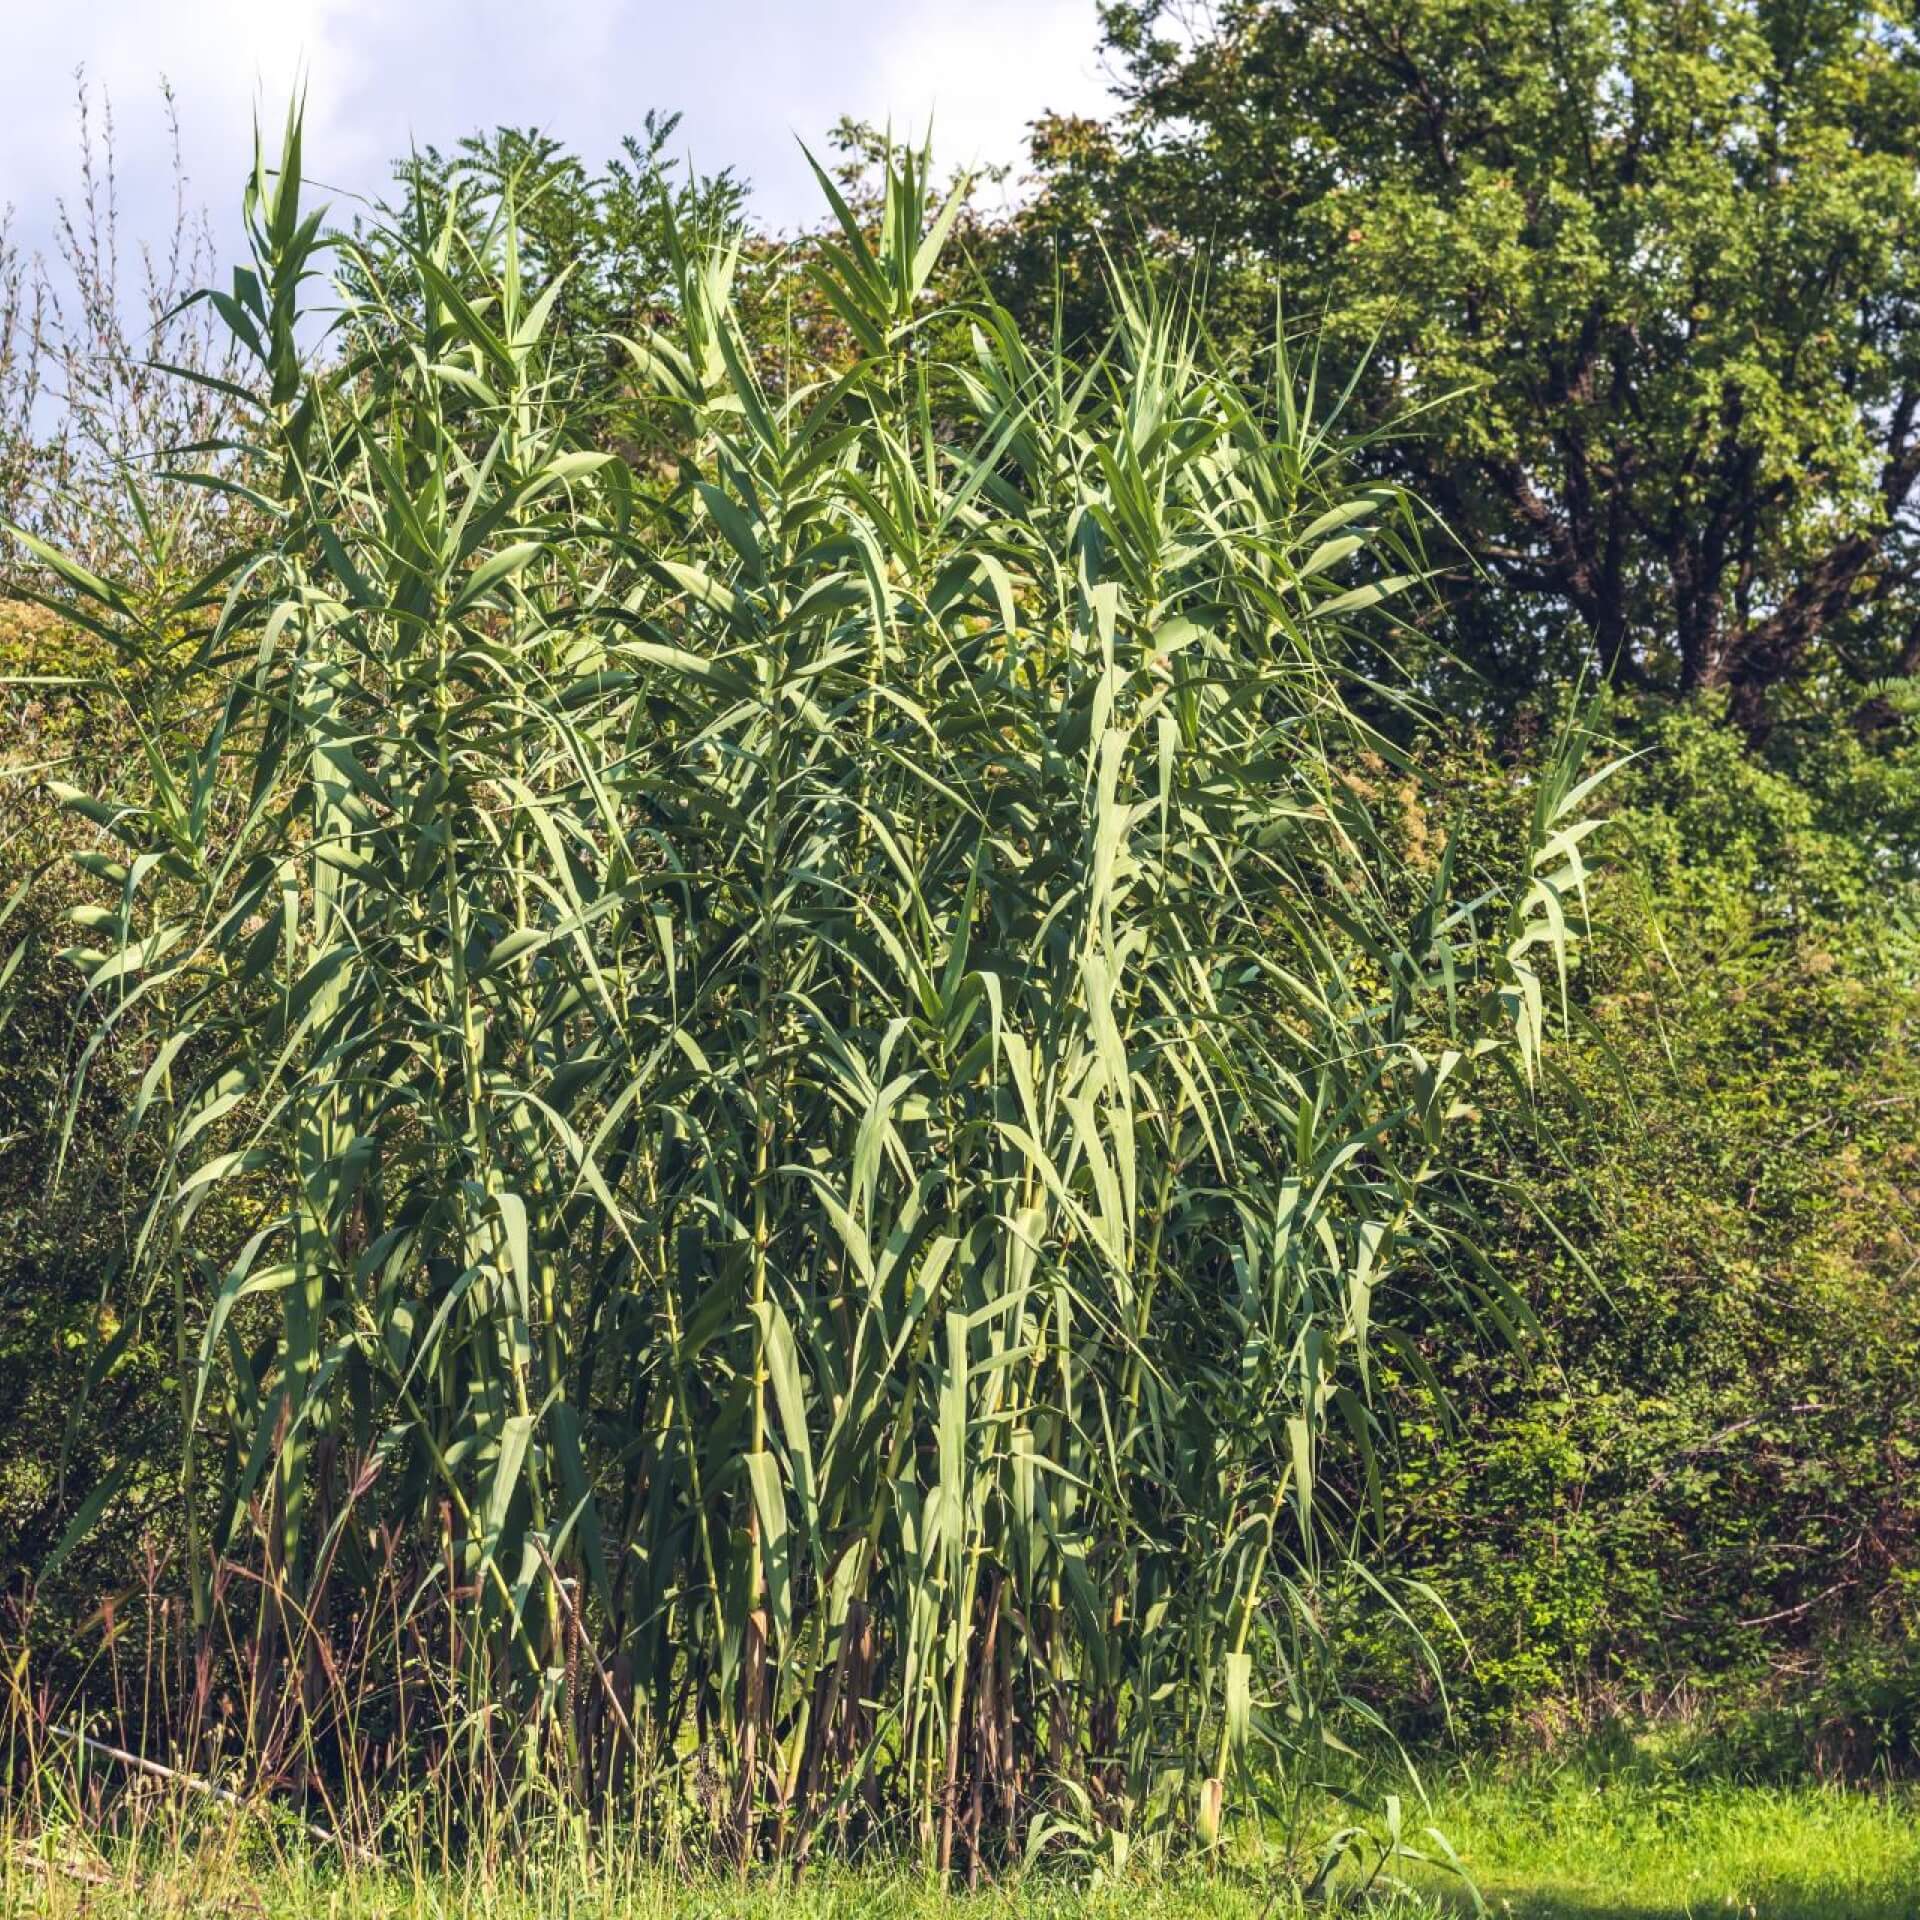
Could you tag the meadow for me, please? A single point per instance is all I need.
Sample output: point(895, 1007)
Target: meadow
point(1575, 1846)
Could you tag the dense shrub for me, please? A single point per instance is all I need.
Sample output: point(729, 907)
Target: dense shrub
point(64, 1246)
point(1703, 1490)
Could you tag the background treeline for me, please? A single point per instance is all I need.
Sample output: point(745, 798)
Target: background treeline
point(1624, 290)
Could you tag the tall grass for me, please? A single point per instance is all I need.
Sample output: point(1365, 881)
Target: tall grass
point(802, 1102)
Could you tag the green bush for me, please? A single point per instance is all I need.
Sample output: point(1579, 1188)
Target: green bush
point(1703, 1490)
point(64, 1247)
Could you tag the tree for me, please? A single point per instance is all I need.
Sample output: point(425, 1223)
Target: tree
point(604, 240)
point(1643, 270)
point(607, 233)
point(608, 242)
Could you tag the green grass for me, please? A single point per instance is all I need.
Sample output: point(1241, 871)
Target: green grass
point(1577, 1848)
point(1566, 1849)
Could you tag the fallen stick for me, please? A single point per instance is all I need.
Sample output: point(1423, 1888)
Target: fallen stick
point(213, 1791)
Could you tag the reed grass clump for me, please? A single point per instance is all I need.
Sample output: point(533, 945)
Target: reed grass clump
point(799, 1099)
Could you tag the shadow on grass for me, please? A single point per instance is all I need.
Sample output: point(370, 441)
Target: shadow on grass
point(1779, 1900)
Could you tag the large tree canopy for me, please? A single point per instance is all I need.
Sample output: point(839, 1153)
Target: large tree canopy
point(1646, 266)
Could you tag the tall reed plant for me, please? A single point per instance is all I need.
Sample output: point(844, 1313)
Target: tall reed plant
point(802, 1102)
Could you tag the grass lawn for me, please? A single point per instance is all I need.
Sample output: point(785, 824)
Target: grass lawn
point(1565, 1850)
point(1576, 1849)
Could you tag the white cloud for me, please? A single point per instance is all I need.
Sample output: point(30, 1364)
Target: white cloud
point(984, 73)
point(380, 74)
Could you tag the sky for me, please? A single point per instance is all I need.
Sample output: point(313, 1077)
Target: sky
point(381, 75)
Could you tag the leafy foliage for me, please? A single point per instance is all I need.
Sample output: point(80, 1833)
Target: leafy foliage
point(1648, 268)
point(677, 759)
point(815, 1090)
point(1707, 1487)
point(64, 1250)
